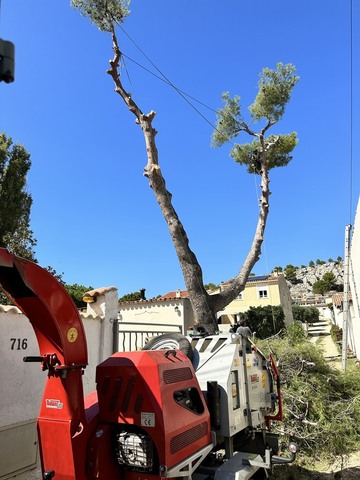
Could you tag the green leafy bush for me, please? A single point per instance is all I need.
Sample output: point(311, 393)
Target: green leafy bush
point(265, 321)
point(305, 314)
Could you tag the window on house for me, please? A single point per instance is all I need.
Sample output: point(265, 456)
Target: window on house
point(240, 296)
point(263, 292)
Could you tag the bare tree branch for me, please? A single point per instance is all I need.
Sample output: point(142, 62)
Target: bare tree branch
point(189, 264)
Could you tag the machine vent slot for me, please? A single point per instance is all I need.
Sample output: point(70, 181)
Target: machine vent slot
point(205, 344)
point(138, 403)
point(218, 344)
point(187, 438)
point(105, 385)
point(115, 394)
point(128, 393)
point(194, 342)
point(177, 375)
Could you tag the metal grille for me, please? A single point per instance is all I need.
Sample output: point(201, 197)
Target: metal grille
point(177, 375)
point(135, 450)
point(128, 393)
point(131, 339)
point(138, 403)
point(115, 394)
point(188, 437)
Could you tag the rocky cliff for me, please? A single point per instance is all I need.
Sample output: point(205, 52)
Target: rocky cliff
point(301, 285)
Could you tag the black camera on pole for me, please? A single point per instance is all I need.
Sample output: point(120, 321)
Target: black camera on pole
point(7, 61)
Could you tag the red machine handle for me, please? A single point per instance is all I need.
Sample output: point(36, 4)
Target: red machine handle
point(48, 306)
point(279, 414)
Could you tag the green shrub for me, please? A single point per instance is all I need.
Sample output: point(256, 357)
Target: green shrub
point(295, 333)
point(265, 321)
point(305, 314)
point(336, 333)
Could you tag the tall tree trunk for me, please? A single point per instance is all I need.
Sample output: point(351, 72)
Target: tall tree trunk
point(205, 306)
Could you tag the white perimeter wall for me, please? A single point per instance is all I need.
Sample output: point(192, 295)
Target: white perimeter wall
point(354, 330)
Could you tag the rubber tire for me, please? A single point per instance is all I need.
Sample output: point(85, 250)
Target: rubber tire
point(170, 341)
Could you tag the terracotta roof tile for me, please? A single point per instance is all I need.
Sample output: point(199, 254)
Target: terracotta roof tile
point(338, 298)
point(176, 294)
point(99, 291)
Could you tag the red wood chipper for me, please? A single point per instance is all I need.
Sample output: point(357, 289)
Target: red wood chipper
point(156, 413)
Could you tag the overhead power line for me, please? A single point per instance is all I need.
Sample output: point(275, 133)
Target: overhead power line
point(166, 80)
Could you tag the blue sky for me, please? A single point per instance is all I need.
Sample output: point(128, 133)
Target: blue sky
point(94, 215)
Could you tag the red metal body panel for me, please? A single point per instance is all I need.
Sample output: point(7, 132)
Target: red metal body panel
point(101, 461)
point(137, 388)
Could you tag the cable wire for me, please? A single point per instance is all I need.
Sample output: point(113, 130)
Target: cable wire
point(168, 83)
point(166, 80)
point(126, 70)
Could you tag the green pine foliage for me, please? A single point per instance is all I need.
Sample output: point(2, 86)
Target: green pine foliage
point(275, 87)
point(278, 155)
point(105, 14)
point(130, 297)
point(290, 272)
point(274, 92)
point(327, 283)
point(76, 292)
point(230, 120)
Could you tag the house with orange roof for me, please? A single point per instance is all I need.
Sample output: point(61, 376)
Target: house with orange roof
point(140, 320)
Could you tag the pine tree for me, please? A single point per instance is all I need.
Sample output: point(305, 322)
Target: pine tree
point(15, 200)
point(263, 154)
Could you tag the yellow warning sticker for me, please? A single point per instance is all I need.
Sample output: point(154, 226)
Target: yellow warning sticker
point(72, 334)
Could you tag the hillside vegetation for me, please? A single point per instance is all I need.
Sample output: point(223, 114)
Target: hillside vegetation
point(303, 280)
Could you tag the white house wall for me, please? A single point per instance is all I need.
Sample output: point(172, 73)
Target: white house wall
point(20, 382)
point(139, 321)
point(354, 333)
